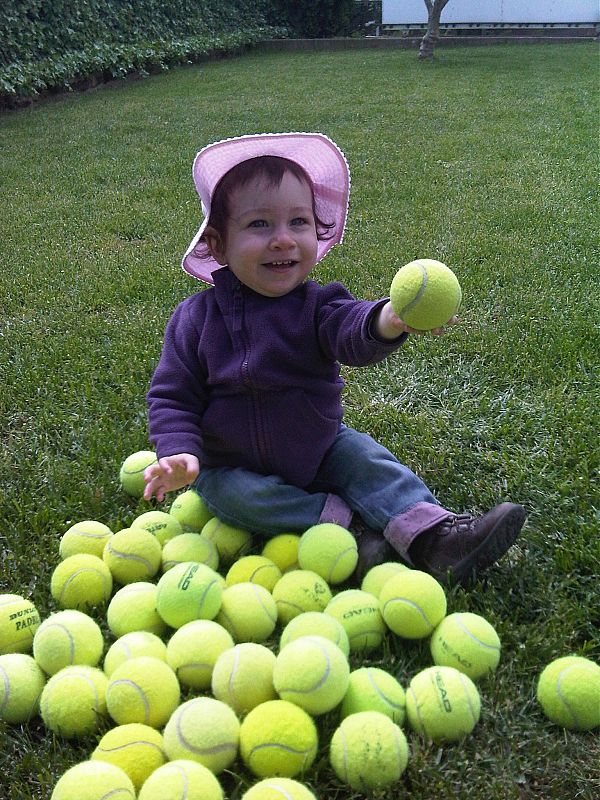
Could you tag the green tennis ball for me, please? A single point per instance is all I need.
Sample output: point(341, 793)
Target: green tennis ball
point(315, 623)
point(187, 592)
point(442, 704)
point(132, 645)
point(133, 608)
point(329, 550)
point(94, 780)
point(132, 555)
point(181, 780)
point(413, 604)
point(243, 677)
point(377, 576)
point(66, 639)
point(190, 510)
point(467, 642)
point(368, 751)
point(313, 673)
point(142, 689)
point(189, 547)
point(373, 689)
point(203, 730)
point(282, 550)
point(131, 474)
point(358, 613)
point(19, 620)
point(21, 684)
point(254, 569)
point(87, 536)
point(425, 294)
point(278, 738)
point(568, 691)
point(160, 524)
point(278, 789)
point(248, 612)
point(81, 581)
point(134, 748)
point(231, 543)
point(298, 591)
point(73, 702)
point(193, 650)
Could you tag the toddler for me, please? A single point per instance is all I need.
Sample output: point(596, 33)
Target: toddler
point(245, 403)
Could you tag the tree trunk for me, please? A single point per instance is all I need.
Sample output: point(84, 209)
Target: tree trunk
point(434, 12)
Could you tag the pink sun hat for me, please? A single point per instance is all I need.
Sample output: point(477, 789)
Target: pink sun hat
point(317, 154)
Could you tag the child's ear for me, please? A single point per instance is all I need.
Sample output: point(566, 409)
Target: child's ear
point(215, 244)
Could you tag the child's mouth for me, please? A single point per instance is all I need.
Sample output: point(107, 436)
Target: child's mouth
point(279, 265)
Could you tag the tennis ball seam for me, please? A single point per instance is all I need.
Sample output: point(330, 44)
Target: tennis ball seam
point(380, 693)
point(420, 291)
point(64, 629)
point(140, 691)
point(202, 751)
point(6, 682)
point(475, 638)
point(465, 687)
point(320, 682)
point(563, 698)
point(136, 743)
point(411, 603)
point(130, 556)
point(78, 572)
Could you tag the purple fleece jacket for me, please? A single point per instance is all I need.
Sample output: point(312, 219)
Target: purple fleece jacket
point(251, 381)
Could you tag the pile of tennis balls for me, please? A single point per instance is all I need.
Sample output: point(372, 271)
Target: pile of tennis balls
point(194, 680)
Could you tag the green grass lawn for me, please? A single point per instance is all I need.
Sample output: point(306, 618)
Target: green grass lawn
point(485, 159)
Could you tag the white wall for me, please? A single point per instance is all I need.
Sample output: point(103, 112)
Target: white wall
point(404, 12)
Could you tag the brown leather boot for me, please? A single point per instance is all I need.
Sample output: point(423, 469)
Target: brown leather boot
point(461, 546)
point(373, 549)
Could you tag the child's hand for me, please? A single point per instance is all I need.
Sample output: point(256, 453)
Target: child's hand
point(169, 474)
point(390, 326)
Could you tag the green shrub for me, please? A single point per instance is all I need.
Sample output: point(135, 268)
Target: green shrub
point(315, 19)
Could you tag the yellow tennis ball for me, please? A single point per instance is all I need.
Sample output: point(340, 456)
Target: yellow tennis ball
point(313, 673)
point(66, 639)
point(254, 569)
point(21, 684)
point(142, 689)
point(425, 294)
point(248, 612)
point(298, 591)
point(368, 751)
point(189, 547)
point(193, 650)
point(278, 789)
point(94, 780)
point(329, 550)
point(131, 474)
point(203, 730)
point(377, 576)
point(190, 510)
point(136, 749)
point(278, 738)
point(315, 623)
point(442, 704)
point(73, 702)
point(132, 645)
point(243, 677)
point(160, 524)
point(19, 620)
point(282, 550)
point(568, 691)
point(133, 608)
point(413, 604)
point(132, 555)
point(187, 592)
point(467, 642)
point(231, 543)
point(87, 536)
point(373, 689)
point(81, 581)
point(358, 613)
point(181, 780)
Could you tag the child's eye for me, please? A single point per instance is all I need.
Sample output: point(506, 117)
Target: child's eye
point(258, 223)
point(299, 221)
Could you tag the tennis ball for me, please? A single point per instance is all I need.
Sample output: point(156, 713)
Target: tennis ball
point(282, 550)
point(131, 474)
point(467, 642)
point(425, 294)
point(94, 780)
point(373, 689)
point(193, 650)
point(368, 751)
point(313, 673)
point(19, 620)
point(65, 639)
point(329, 550)
point(73, 702)
point(181, 780)
point(136, 749)
point(243, 677)
point(189, 547)
point(358, 613)
point(203, 730)
point(254, 569)
point(278, 738)
point(87, 536)
point(132, 645)
point(21, 684)
point(442, 704)
point(160, 524)
point(81, 581)
point(377, 576)
point(133, 608)
point(248, 612)
point(278, 789)
point(231, 543)
point(412, 604)
point(190, 510)
point(568, 691)
point(142, 689)
point(132, 555)
point(188, 591)
point(315, 623)
point(298, 591)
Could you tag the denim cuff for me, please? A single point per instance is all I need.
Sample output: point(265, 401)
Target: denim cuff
point(337, 511)
point(402, 530)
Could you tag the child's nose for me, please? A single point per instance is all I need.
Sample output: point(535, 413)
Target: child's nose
point(282, 238)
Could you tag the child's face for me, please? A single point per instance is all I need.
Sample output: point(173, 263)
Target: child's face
point(271, 238)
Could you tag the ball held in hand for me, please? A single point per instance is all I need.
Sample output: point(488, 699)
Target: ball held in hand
point(425, 294)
